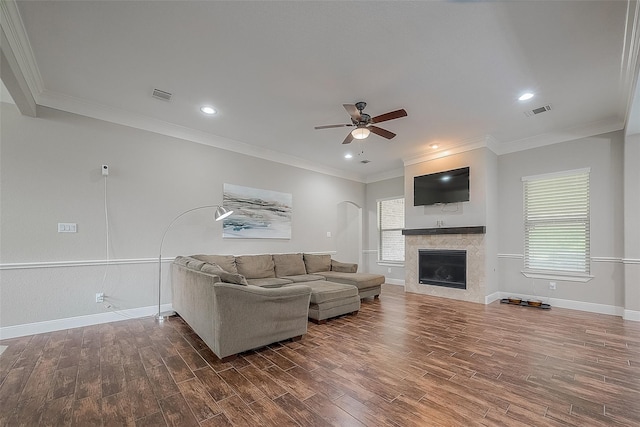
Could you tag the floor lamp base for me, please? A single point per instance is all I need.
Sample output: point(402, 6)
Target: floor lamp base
point(161, 317)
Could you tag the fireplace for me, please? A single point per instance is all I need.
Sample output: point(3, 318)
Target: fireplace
point(443, 267)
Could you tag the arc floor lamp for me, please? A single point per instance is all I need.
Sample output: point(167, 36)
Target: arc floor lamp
point(220, 213)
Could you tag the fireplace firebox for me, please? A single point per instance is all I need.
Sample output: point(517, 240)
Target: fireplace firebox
point(442, 267)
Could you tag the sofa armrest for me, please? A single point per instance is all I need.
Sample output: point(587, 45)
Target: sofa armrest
point(248, 317)
point(343, 267)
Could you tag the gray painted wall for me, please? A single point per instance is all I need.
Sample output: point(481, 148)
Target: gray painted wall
point(385, 189)
point(50, 173)
point(481, 209)
point(631, 223)
point(473, 212)
point(604, 155)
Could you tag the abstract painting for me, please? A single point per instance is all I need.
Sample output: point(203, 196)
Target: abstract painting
point(257, 214)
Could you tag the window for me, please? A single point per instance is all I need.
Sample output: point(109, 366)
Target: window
point(390, 225)
point(556, 223)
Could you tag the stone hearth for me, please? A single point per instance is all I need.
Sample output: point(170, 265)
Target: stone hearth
point(472, 240)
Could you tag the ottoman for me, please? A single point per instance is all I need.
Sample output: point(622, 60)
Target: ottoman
point(329, 299)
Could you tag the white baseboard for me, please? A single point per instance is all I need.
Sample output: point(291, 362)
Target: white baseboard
point(398, 282)
point(492, 297)
point(633, 315)
point(579, 305)
point(79, 321)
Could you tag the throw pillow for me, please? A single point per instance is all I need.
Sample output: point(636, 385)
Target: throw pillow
point(227, 262)
point(225, 276)
point(343, 267)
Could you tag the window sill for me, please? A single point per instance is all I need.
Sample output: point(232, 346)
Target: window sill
point(552, 275)
point(391, 263)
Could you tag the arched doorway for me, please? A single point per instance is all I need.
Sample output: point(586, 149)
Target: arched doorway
point(349, 233)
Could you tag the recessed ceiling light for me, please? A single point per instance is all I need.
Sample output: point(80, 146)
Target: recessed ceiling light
point(434, 146)
point(208, 110)
point(348, 156)
point(525, 96)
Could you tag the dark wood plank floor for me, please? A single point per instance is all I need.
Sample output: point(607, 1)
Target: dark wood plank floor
point(404, 360)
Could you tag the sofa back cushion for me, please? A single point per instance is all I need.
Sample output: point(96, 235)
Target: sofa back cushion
point(255, 266)
point(226, 262)
point(289, 265)
point(236, 278)
point(317, 263)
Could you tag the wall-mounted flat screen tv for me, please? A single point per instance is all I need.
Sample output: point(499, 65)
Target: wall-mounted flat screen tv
point(442, 187)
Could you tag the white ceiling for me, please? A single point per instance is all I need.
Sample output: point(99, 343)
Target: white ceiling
point(274, 70)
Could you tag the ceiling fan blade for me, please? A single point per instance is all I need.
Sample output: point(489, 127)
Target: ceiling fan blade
point(333, 126)
point(353, 111)
point(389, 116)
point(382, 132)
point(348, 139)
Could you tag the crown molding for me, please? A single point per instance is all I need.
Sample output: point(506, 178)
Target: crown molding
point(16, 34)
point(126, 118)
point(486, 141)
point(583, 131)
point(381, 176)
point(629, 64)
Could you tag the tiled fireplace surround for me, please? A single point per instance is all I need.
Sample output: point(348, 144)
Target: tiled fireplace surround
point(471, 239)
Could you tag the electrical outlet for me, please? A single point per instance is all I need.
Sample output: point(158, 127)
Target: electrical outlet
point(389, 270)
point(99, 297)
point(552, 286)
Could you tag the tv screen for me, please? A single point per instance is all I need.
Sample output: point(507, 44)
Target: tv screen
point(442, 187)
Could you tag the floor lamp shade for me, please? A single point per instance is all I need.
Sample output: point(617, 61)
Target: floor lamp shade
point(220, 213)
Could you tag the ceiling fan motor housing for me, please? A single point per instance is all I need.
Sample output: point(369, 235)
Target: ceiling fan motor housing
point(365, 119)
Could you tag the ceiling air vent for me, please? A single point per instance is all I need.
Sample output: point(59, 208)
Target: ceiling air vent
point(161, 94)
point(364, 162)
point(538, 110)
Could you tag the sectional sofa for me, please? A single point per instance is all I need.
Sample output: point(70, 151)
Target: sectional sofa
point(237, 303)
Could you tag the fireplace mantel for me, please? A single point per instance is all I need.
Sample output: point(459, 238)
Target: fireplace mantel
point(481, 229)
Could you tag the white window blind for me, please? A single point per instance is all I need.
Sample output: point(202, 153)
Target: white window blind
point(390, 225)
point(556, 222)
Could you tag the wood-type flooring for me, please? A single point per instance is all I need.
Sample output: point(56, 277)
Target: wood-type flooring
point(403, 360)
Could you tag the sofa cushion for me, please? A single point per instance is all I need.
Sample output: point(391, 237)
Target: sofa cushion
point(301, 278)
point(361, 280)
point(269, 282)
point(323, 291)
point(289, 265)
point(343, 267)
point(255, 266)
point(225, 276)
point(226, 262)
point(315, 263)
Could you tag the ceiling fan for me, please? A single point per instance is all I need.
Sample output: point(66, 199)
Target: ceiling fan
point(364, 123)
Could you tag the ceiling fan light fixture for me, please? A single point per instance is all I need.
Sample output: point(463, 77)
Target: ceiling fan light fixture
point(360, 133)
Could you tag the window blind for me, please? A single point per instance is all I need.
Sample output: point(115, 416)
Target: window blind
point(390, 225)
point(556, 222)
